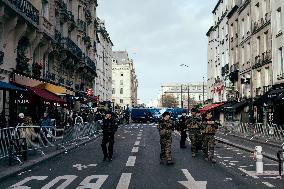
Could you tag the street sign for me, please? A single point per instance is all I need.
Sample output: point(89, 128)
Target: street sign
point(191, 183)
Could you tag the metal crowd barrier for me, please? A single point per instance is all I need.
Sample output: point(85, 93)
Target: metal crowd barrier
point(16, 142)
point(269, 132)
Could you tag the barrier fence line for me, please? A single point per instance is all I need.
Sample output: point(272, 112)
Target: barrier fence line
point(15, 142)
point(268, 132)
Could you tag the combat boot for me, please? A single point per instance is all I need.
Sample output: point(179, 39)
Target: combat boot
point(170, 162)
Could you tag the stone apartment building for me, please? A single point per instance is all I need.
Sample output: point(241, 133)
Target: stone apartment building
point(125, 82)
point(218, 54)
point(52, 43)
point(103, 86)
point(195, 92)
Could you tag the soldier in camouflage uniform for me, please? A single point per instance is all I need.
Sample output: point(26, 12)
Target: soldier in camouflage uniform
point(195, 136)
point(209, 128)
point(165, 128)
point(182, 128)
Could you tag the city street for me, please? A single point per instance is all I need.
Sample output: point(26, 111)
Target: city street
point(136, 165)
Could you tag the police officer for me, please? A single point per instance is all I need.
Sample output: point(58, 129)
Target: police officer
point(194, 127)
point(208, 131)
point(109, 128)
point(165, 128)
point(182, 128)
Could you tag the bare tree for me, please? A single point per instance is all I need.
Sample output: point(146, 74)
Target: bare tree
point(169, 100)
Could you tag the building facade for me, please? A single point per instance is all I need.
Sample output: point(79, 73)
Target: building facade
point(125, 82)
point(195, 92)
point(53, 42)
point(103, 86)
point(218, 54)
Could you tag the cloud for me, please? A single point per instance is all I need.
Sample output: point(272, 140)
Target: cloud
point(160, 35)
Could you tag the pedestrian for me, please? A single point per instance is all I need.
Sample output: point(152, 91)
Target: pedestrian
point(194, 127)
point(78, 119)
point(182, 128)
point(165, 128)
point(109, 128)
point(208, 131)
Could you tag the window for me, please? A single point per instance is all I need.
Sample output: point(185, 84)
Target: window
point(113, 90)
point(121, 74)
point(121, 82)
point(257, 16)
point(258, 79)
point(121, 100)
point(45, 9)
point(266, 77)
point(280, 60)
point(243, 28)
point(279, 20)
point(79, 11)
point(265, 41)
point(248, 23)
point(121, 90)
point(258, 46)
point(248, 52)
point(243, 55)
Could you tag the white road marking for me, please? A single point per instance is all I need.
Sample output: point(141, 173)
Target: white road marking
point(135, 149)
point(191, 183)
point(232, 164)
point(227, 157)
point(244, 166)
point(86, 183)
point(21, 183)
point(138, 138)
point(234, 161)
point(239, 153)
point(249, 173)
point(154, 126)
point(139, 135)
point(131, 161)
point(124, 181)
point(137, 143)
point(141, 130)
point(268, 184)
point(67, 180)
point(271, 164)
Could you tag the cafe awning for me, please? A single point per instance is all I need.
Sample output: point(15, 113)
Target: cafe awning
point(9, 86)
point(58, 90)
point(48, 97)
point(210, 107)
point(237, 106)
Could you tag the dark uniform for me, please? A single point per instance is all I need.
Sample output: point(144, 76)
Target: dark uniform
point(208, 131)
point(165, 128)
point(182, 127)
point(194, 127)
point(109, 128)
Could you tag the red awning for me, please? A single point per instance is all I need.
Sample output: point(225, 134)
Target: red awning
point(210, 107)
point(48, 97)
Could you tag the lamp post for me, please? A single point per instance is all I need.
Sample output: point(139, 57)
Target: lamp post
point(184, 65)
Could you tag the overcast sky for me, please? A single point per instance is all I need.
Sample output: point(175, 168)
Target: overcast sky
point(159, 36)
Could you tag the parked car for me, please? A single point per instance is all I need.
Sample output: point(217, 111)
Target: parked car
point(141, 115)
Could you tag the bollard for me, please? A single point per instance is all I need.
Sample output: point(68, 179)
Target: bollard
point(280, 156)
point(259, 157)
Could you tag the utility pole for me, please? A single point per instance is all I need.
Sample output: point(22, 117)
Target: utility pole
point(203, 90)
point(187, 98)
point(181, 102)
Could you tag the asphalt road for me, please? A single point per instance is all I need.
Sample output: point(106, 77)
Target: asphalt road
point(136, 165)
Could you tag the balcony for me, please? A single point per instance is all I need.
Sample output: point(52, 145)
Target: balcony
point(61, 80)
point(61, 9)
point(45, 26)
point(87, 41)
point(225, 69)
point(69, 83)
point(1, 57)
point(262, 23)
point(88, 16)
point(234, 67)
point(90, 63)
point(73, 48)
point(263, 59)
point(50, 76)
point(71, 21)
point(25, 8)
point(266, 88)
point(82, 26)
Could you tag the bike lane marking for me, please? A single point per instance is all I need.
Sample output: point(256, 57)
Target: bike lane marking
point(124, 181)
point(137, 143)
point(135, 149)
point(131, 161)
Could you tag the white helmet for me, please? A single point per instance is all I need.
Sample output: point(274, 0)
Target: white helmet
point(21, 115)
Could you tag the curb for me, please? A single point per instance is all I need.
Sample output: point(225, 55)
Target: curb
point(32, 163)
point(268, 156)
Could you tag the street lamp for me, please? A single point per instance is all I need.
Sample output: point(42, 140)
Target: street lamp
point(184, 65)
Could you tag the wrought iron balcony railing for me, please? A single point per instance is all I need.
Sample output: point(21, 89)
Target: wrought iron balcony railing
point(82, 26)
point(25, 7)
point(73, 47)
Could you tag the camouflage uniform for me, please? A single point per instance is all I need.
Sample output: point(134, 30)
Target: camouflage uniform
point(165, 128)
point(208, 131)
point(195, 136)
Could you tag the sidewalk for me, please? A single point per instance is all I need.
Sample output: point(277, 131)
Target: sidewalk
point(270, 148)
point(35, 158)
